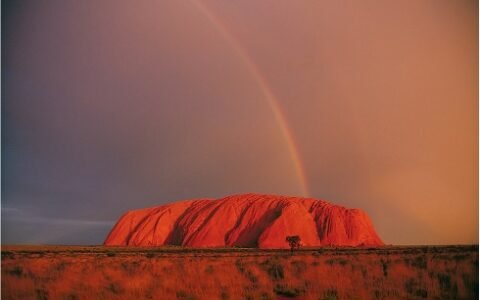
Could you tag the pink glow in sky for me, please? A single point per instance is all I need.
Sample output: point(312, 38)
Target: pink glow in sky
point(115, 105)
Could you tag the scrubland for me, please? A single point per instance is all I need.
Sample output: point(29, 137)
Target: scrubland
point(61, 272)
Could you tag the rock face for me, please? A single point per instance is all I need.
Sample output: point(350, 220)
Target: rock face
point(248, 220)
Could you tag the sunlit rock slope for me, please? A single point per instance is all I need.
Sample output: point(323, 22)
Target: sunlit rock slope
point(248, 220)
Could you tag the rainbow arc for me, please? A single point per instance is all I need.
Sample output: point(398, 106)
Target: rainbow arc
point(266, 90)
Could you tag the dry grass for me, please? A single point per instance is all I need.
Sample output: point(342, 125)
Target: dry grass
point(36, 272)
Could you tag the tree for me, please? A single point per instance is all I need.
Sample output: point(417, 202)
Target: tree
point(293, 241)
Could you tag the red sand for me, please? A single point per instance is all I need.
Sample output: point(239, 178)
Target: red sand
point(248, 220)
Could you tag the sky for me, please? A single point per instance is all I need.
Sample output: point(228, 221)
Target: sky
point(109, 106)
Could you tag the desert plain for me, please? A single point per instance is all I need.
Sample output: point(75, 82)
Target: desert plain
point(99, 272)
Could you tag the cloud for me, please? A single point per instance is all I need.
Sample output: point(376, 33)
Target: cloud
point(21, 226)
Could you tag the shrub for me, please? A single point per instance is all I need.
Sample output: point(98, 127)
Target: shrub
point(386, 294)
point(384, 267)
point(149, 255)
point(251, 276)
point(419, 262)
point(224, 294)
point(114, 288)
point(459, 257)
point(61, 266)
point(209, 269)
point(299, 267)
point(130, 266)
point(444, 281)
point(240, 265)
point(471, 285)
point(274, 270)
point(330, 294)
point(340, 261)
point(71, 297)
point(16, 271)
point(242, 269)
point(410, 285)
point(41, 294)
point(265, 296)
point(182, 295)
point(364, 272)
point(422, 293)
point(7, 254)
point(287, 291)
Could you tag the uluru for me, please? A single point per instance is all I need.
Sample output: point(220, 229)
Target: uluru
point(247, 220)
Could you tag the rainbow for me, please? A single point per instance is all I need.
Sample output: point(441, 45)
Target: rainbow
point(267, 92)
